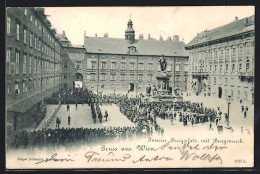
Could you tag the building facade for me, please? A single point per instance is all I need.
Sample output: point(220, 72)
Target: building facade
point(221, 61)
point(33, 59)
point(108, 64)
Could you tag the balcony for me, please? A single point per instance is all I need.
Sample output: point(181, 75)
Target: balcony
point(202, 75)
point(246, 76)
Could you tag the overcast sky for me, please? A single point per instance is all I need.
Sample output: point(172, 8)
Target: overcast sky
point(165, 21)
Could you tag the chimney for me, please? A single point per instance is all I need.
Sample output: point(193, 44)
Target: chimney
point(149, 37)
point(236, 18)
point(96, 35)
point(53, 30)
point(169, 38)
point(161, 38)
point(84, 33)
point(175, 38)
point(105, 35)
point(141, 36)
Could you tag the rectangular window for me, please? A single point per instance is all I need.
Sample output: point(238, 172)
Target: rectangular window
point(150, 77)
point(78, 65)
point(25, 36)
point(240, 68)
point(113, 77)
point(234, 52)
point(39, 65)
point(141, 66)
point(215, 80)
point(113, 65)
point(93, 64)
point(65, 64)
point(8, 60)
point(103, 65)
point(140, 77)
point(220, 68)
point(216, 67)
point(226, 67)
point(35, 42)
point(24, 87)
point(17, 62)
point(185, 78)
point(24, 63)
point(103, 76)
point(233, 67)
point(227, 53)
point(226, 81)
point(16, 88)
point(123, 77)
point(65, 75)
point(123, 66)
point(150, 66)
point(132, 77)
point(247, 67)
point(31, 18)
point(17, 31)
point(30, 64)
point(30, 40)
point(92, 76)
point(177, 68)
point(8, 25)
point(177, 78)
point(35, 65)
point(132, 66)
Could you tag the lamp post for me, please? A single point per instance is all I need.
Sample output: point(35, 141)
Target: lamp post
point(229, 99)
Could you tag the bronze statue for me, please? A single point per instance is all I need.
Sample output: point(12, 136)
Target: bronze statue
point(163, 63)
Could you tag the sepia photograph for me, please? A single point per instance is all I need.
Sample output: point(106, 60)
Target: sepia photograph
point(129, 87)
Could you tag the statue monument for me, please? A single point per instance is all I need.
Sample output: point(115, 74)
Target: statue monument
point(163, 91)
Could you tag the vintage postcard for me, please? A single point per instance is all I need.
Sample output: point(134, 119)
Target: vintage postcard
point(130, 87)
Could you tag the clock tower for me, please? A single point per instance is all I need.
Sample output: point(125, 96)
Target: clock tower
point(129, 32)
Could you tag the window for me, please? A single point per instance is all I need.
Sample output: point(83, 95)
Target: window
point(210, 67)
point(132, 77)
point(221, 54)
point(226, 81)
point(16, 88)
point(103, 65)
point(103, 76)
point(35, 42)
point(123, 58)
point(247, 48)
point(113, 65)
point(17, 62)
point(177, 78)
point(141, 66)
point(216, 54)
point(215, 80)
point(220, 68)
point(240, 68)
point(93, 64)
point(233, 67)
point(186, 68)
point(30, 38)
point(8, 59)
point(17, 31)
point(8, 25)
point(123, 77)
point(24, 63)
point(238, 94)
point(35, 23)
point(35, 65)
point(30, 64)
point(247, 66)
point(227, 53)
point(132, 66)
point(185, 78)
point(78, 65)
point(240, 50)
point(177, 68)
point(24, 87)
point(123, 66)
point(234, 52)
point(140, 77)
point(65, 65)
point(25, 12)
point(39, 65)
point(216, 67)
point(92, 76)
point(150, 66)
point(24, 36)
point(113, 77)
point(31, 18)
point(150, 77)
point(65, 75)
point(226, 67)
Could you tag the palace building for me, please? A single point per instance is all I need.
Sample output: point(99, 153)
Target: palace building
point(221, 61)
point(33, 71)
point(108, 64)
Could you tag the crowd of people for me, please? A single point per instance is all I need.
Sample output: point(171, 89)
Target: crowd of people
point(143, 114)
point(70, 137)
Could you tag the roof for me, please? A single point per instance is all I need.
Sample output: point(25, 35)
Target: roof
point(233, 28)
point(143, 47)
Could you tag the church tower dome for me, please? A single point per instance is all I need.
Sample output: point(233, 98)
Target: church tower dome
point(130, 32)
